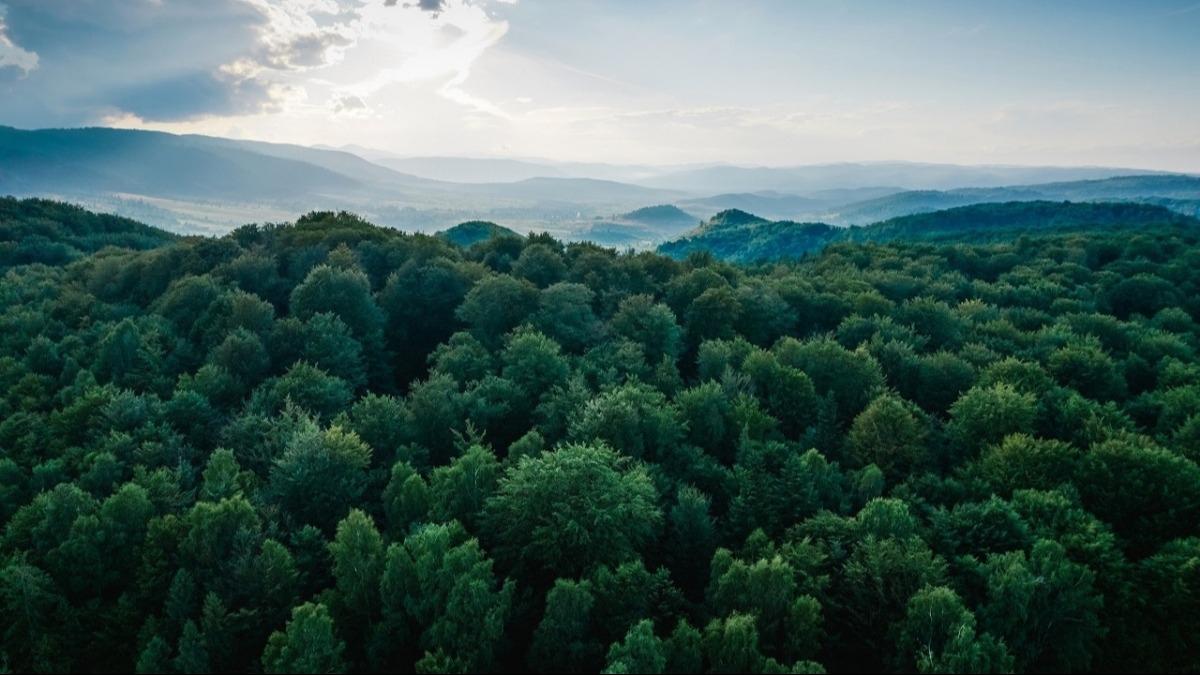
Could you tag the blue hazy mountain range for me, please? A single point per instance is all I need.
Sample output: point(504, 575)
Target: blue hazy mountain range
point(189, 183)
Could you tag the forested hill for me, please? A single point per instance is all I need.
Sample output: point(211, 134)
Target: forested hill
point(741, 237)
point(42, 231)
point(474, 232)
point(331, 447)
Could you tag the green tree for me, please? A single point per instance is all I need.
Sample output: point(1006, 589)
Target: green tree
point(568, 510)
point(308, 644)
point(652, 325)
point(458, 491)
point(563, 641)
point(439, 586)
point(540, 265)
point(345, 293)
point(634, 419)
point(320, 475)
point(640, 652)
point(565, 314)
point(1044, 607)
point(938, 635)
point(852, 378)
point(1020, 461)
point(534, 363)
point(1146, 493)
point(405, 499)
point(496, 305)
point(691, 539)
point(985, 415)
point(357, 552)
point(890, 434)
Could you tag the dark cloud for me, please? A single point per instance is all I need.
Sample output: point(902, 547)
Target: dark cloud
point(348, 103)
point(434, 6)
point(193, 95)
point(162, 60)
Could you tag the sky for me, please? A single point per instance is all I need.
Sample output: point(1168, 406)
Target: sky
point(1068, 82)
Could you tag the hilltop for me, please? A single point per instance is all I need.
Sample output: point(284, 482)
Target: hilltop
point(662, 215)
point(50, 232)
point(475, 231)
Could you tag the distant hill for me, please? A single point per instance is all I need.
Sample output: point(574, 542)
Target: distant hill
point(907, 175)
point(771, 204)
point(984, 222)
point(49, 232)
point(471, 170)
point(754, 241)
point(742, 237)
point(665, 215)
point(342, 162)
point(472, 232)
point(1120, 188)
point(571, 190)
point(621, 235)
point(152, 163)
point(731, 219)
point(202, 183)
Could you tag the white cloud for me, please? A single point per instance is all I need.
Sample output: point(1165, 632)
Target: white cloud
point(11, 55)
point(305, 34)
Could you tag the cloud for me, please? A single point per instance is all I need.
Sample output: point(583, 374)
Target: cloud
point(434, 6)
point(70, 62)
point(180, 97)
point(12, 56)
point(438, 46)
point(305, 34)
point(349, 105)
point(158, 59)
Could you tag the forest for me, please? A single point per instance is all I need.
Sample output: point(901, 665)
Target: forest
point(327, 446)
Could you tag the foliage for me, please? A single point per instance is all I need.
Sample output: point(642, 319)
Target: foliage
point(963, 442)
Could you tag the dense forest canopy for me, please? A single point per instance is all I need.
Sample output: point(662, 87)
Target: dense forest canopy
point(328, 446)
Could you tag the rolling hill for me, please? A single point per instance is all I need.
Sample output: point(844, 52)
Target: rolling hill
point(151, 163)
point(743, 237)
point(1178, 187)
point(210, 184)
point(909, 175)
point(475, 231)
point(663, 215)
point(471, 170)
point(53, 233)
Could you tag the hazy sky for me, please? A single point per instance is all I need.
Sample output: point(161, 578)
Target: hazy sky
point(787, 82)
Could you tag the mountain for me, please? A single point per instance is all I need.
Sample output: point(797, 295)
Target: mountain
point(340, 161)
point(771, 204)
point(731, 219)
point(194, 183)
point(743, 237)
point(922, 201)
point(152, 163)
point(475, 231)
point(984, 222)
point(909, 175)
point(571, 190)
point(204, 184)
point(1176, 187)
point(663, 215)
point(471, 170)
